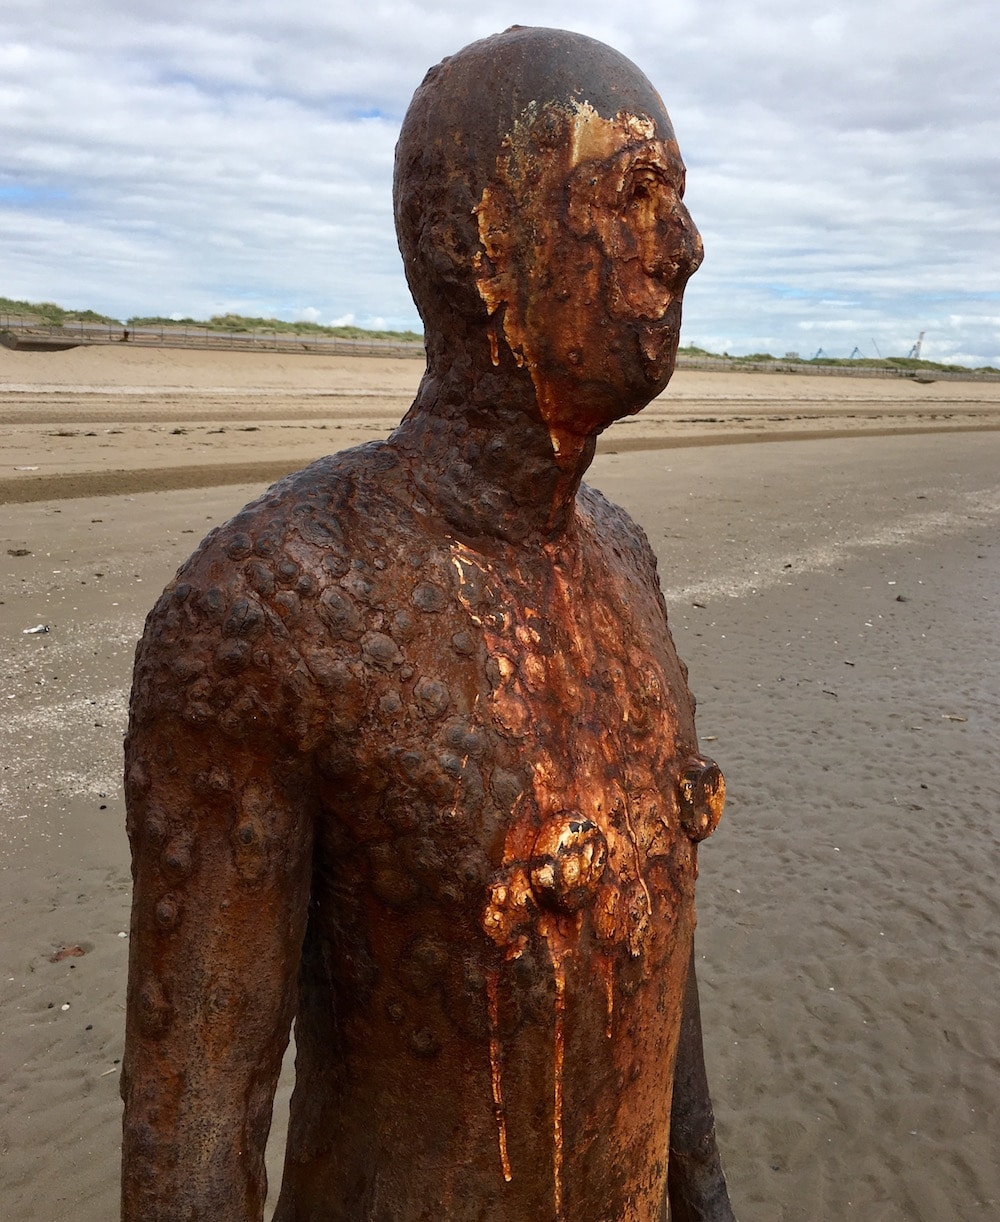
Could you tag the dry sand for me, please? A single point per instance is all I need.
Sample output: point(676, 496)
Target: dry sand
point(838, 601)
point(116, 419)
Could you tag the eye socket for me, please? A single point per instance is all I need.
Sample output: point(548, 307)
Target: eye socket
point(650, 183)
point(646, 184)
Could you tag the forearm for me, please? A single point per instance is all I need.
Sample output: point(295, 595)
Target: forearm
point(189, 1159)
point(220, 895)
point(203, 1051)
point(696, 1183)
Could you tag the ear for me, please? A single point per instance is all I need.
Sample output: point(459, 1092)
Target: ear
point(497, 275)
point(439, 241)
point(493, 262)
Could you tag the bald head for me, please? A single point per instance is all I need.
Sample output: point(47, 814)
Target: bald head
point(457, 126)
point(538, 198)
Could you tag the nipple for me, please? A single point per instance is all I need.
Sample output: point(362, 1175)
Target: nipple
point(568, 859)
point(702, 794)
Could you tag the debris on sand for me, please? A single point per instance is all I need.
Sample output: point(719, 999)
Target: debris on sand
point(67, 952)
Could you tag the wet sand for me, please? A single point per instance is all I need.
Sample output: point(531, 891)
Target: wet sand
point(838, 602)
point(115, 419)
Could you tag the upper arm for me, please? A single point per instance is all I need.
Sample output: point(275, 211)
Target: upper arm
point(220, 823)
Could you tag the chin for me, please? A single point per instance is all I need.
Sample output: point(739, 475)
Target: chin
point(657, 343)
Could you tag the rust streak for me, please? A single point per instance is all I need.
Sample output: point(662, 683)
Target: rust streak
point(496, 1072)
point(559, 974)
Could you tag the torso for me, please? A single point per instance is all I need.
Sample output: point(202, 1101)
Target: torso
point(502, 899)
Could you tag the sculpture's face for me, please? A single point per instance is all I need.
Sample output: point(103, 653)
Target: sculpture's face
point(588, 247)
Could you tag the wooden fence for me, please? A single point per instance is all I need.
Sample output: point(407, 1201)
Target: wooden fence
point(24, 332)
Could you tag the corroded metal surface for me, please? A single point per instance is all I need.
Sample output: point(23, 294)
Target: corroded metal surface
point(412, 757)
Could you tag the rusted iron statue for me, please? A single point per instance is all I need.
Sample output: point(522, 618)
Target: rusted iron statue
point(412, 759)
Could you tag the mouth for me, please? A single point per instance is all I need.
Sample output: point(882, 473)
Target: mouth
point(653, 343)
point(658, 343)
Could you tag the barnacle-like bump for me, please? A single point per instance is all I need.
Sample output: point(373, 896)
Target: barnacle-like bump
point(432, 696)
point(154, 1010)
point(381, 650)
point(429, 597)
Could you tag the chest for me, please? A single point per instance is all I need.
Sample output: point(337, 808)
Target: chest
point(512, 745)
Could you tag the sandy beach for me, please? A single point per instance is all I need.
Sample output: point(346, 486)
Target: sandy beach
point(835, 590)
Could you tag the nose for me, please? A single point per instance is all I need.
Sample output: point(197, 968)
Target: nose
point(682, 247)
point(674, 249)
point(695, 246)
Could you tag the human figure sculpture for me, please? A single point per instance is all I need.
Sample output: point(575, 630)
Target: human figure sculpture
point(412, 758)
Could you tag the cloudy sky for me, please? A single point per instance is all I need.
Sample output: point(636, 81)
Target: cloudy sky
point(236, 155)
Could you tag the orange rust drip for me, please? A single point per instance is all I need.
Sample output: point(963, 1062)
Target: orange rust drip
point(492, 980)
point(458, 788)
point(559, 973)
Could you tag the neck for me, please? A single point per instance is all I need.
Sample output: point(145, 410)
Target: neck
point(482, 455)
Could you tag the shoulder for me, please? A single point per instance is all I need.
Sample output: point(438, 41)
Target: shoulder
point(256, 630)
point(615, 529)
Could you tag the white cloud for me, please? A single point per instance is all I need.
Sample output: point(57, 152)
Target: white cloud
point(230, 155)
